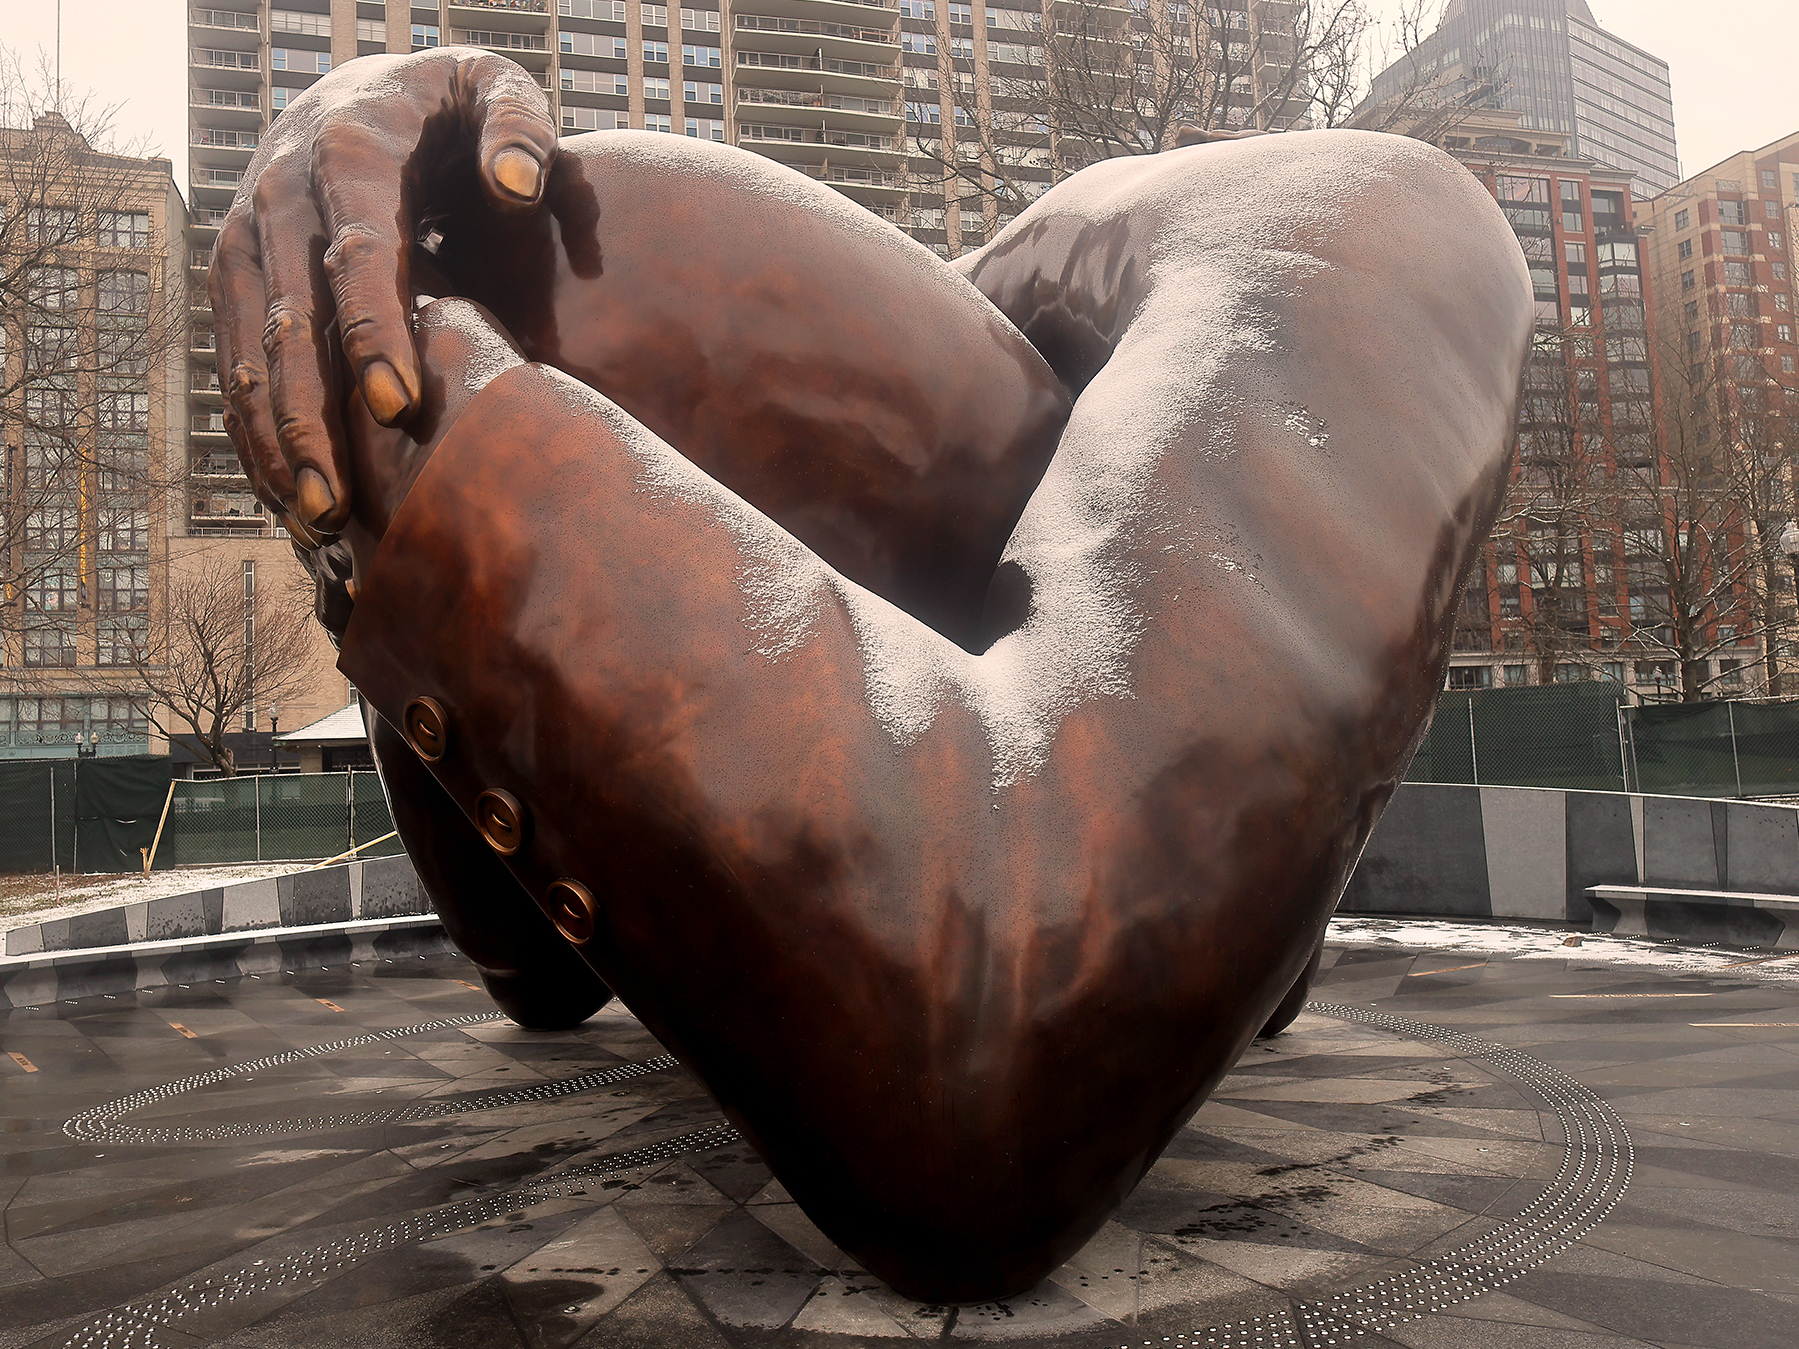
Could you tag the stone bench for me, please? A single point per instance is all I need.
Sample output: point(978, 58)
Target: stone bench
point(1742, 917)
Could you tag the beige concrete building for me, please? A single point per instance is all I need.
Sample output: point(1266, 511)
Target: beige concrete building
point(92, 375)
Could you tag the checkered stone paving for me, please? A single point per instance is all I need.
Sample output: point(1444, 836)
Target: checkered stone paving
point(1440, 1153)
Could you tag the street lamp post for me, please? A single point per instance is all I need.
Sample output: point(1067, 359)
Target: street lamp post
point(274, 730)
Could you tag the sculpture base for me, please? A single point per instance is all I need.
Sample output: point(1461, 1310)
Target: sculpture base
point(385, 1163)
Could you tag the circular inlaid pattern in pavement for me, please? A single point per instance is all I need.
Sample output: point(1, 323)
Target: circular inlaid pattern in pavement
point(1594, 1169)
point(102, 1123)
point(1594, 1174)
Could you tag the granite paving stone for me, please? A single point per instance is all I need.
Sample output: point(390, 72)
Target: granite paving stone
point(1333, 1156)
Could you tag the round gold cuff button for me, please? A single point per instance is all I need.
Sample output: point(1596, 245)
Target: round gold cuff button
point(573, 910)
point(501, 820)
point(427, 729)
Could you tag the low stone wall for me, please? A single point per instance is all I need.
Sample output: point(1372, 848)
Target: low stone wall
point(1530, 853)
point(50, 977)
point(383, 887)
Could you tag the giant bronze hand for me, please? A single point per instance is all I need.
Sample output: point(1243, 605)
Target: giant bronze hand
point(959, 888)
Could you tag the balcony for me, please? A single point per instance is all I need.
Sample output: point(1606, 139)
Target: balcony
point(218, 466)
point(849, 175)
point(224, 18)
point(517, 6)
point(767, 23)
point(225, 178)
point(208, 58)
point(216, 138)
point(511, 42)
point(865, 70)
point(795, 135)
point(204, 381)
point(207, 424)
point(226, 100)
point(806, 98)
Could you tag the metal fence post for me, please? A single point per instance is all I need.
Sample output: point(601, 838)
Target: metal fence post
point(1730, 710)
point(1623, 762)
point(1473, 754)
point(350, 806)
point(256, 785)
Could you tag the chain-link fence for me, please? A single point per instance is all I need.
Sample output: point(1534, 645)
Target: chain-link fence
point(275, 817)
point(1589, 737)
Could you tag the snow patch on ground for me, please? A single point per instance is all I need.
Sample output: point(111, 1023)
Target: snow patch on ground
point(1539, 943)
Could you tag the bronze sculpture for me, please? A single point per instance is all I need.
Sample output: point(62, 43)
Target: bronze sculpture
point(944, 703)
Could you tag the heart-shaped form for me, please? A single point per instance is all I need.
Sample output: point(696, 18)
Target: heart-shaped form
point(960, 932)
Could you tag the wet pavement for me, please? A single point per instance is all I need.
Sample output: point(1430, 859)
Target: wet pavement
point(1452, 1149)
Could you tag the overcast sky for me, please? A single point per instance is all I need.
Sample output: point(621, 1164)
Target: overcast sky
point(1733, 64)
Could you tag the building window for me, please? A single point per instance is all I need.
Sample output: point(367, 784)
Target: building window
point(1570, 673)
point(656, 16)
point(1682, 219)
point(124, 229)
point(655, 88)
point(656, 53)
point(49, 225)
point(923, 43)
point(371, 30)
point(1691, 311)
point(49, 646)
point(1686, 280)
point(1736, 274)
point(295, 21)
point(695, 92)
point(706, 128)
point(656, 121)
point(124, 292)
point(123, 640)
point(1612, 669)
point(706, 58)
point(1769, 179)
point(1784, 332)
point(1731, 672)
point(1771, 209)
point(1775, 241)
point(1514, 676)
point(1735, 241)
point(917, 9)
point(294, 58)
point(429, 35)
point(1685, 249)
point(1470, 677)
point(700, 20)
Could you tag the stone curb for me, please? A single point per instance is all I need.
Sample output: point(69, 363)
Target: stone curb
point(381, 887)
point(41, 978)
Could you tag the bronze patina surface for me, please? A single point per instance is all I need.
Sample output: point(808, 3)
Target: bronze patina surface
point(943, 702)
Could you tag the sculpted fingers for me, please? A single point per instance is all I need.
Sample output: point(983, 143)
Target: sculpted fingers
point(239, 305)
point(297, 343)
point(356, 178)
point(516, 136)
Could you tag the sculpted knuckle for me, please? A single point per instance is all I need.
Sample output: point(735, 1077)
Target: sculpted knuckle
point(288, 322)
point(355, 246)
point(244, 382)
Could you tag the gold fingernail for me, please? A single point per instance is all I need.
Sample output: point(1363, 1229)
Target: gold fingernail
point(382, 390)
point(313, 496)
point(518, 172)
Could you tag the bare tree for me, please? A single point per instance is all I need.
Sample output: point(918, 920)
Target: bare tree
point(1550, 534)
point(1702, 523)
point(229, 647)
point(1101, 79)
point(89, 317)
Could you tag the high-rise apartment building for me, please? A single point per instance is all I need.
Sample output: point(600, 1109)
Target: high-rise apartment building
point(1551, 62)
point(1720, 254)
point(1568, 587)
